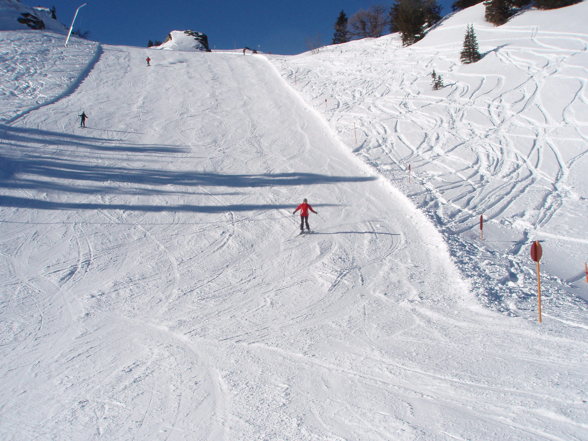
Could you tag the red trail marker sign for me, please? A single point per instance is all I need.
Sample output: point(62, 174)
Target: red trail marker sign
point(536, 254)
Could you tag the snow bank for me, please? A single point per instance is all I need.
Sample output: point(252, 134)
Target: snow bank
point(39, 69)
point(505, 138)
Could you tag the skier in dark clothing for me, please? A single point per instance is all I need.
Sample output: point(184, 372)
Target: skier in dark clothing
point(148, 61)
point(83, 118)
point(304, 207)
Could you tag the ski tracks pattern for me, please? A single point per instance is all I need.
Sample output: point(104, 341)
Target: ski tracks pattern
point(482, 145)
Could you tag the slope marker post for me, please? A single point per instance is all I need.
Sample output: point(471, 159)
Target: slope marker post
point(536, 253)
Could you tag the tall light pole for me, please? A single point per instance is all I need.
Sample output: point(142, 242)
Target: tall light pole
point(72, 23)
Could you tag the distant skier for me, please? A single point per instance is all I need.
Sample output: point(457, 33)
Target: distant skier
point(148, 61)
point(304, 207)
point(83, 118)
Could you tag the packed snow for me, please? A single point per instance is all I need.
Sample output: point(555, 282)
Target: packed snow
point(154, 285)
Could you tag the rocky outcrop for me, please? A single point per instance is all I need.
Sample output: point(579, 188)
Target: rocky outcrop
point(16, 16)
point(186, 41)
point(200, 37)
point(31, 21)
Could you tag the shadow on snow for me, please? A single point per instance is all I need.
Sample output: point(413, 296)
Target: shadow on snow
point(20, 170)
point(19, 202)
point(358, 232)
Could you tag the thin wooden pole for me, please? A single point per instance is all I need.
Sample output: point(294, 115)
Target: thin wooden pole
point(539, 290)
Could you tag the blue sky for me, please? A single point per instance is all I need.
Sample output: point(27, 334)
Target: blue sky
point(274, 26)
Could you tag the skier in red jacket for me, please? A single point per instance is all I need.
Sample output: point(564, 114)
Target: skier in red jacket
point(304, 207)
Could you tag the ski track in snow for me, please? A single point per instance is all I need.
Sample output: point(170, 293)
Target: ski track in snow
point(483, 145)
point(30, 75)
point(155, 286)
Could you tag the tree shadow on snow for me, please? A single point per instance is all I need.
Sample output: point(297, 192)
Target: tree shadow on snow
point(64, 172)
point(21, 136)
point(37, 204)
point(359, 232)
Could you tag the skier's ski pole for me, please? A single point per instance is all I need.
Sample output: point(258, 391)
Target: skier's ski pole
point(291, 216)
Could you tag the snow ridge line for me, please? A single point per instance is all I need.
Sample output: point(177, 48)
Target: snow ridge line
point(434, 238)
point(69, 91)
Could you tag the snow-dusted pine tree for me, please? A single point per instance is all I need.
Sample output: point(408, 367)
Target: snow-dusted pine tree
point(438, 83)
point(341, 33)
point(408, 18)
point(470, 52)
point(437, 80)
point(497, 11)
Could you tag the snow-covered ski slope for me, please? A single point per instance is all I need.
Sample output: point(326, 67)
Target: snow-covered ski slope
point(153, 286)
point(506, 138)
point(36, 69)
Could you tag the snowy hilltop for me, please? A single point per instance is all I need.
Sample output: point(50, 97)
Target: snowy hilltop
point(154, 284)
point(14, 16)
point(188, 41)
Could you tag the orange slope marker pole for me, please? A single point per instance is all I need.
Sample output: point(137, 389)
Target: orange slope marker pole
point(539, 291)
point(536, 253)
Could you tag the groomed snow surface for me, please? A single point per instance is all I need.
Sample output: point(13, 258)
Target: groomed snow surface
point(154, 285)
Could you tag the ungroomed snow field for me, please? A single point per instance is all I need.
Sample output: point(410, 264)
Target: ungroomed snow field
point(154, 285)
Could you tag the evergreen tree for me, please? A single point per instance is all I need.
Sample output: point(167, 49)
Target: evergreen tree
point(520, 3)
point(53, 13)
point(431, 12)
point(497, 11)
point(437, 81)
point(341, 33)
point(81, 33)
point(463, 4)
point(552, 4)
point(408, 19)
point(470, 52)
point(412, 17)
